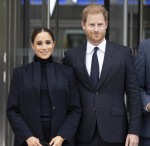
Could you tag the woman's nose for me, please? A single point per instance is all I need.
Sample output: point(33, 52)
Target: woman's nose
point(44, 46)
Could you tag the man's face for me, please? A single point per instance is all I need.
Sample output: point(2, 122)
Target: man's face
point(95, 28)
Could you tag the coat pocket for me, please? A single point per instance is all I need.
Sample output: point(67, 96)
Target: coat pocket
point(118, 111)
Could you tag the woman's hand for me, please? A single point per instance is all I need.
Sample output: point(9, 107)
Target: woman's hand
point(56, 141)
point(33, 141)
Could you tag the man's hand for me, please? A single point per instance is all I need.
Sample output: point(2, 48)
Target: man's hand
point(132, 140)
point(148, 107)
point(56, 141)
point(33, 141)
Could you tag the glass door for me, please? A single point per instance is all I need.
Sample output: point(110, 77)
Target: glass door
point(22, 17)
point(65, 22)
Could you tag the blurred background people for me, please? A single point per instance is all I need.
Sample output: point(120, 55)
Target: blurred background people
point(143, 72)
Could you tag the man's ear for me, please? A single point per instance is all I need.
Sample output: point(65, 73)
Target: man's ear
point(106, 23)
point(82, 25)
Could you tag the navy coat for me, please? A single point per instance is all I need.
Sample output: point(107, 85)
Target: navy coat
point(23, 106)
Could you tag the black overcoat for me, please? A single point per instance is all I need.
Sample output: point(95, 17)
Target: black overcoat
point(23, 106)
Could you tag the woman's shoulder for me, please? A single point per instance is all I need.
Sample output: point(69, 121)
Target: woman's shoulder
point(23, 67)
point(63, 67)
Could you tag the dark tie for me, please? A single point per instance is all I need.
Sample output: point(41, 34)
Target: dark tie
point(95, 67)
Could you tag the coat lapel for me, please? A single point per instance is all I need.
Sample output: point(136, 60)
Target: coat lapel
point(83, 74)
point(36, 76)
point(51, 77)
point(107, 64)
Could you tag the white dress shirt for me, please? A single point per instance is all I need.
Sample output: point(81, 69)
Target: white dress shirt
point(100, 55)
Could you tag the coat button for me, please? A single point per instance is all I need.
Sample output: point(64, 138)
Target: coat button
point(53, 108)
point(97, 93)
point(94, 109)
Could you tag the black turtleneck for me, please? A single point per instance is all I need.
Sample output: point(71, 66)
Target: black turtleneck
point(45, 99)
point(43, 61)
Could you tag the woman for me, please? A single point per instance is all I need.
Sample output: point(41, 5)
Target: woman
point(43, 103)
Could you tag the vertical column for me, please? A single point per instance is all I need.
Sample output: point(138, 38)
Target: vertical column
point(125, 22)
point(3, 24)
point(48, 14)
point(107, 6)
point(140, 20)
point(44, 13)
point(26, 29)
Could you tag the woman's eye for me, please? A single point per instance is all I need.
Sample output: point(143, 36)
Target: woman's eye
point(47, 43)
point(39, 43)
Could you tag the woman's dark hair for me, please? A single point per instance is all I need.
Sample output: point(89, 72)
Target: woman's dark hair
point(41, 29)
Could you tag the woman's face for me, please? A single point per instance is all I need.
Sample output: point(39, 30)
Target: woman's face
point(43, 45)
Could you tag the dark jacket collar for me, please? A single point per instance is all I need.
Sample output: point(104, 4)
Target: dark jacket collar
point(43, 61)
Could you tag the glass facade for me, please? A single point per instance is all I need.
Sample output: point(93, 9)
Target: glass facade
point(129, 23)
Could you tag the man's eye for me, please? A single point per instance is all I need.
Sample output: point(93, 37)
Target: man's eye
point(100, 24)
point(92, 24)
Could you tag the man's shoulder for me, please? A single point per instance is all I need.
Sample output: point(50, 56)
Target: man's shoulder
point(76, 49)
point(117, 46)
point(72, 50)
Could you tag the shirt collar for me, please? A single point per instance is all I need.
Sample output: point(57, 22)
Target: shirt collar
point(101, 46)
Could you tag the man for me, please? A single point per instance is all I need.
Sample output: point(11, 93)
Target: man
point(105, 70)
point(143, 72)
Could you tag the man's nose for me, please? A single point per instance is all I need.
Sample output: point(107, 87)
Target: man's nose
point(96, 28)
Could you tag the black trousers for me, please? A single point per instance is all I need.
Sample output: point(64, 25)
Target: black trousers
point(98, 141)
point(144, 141)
